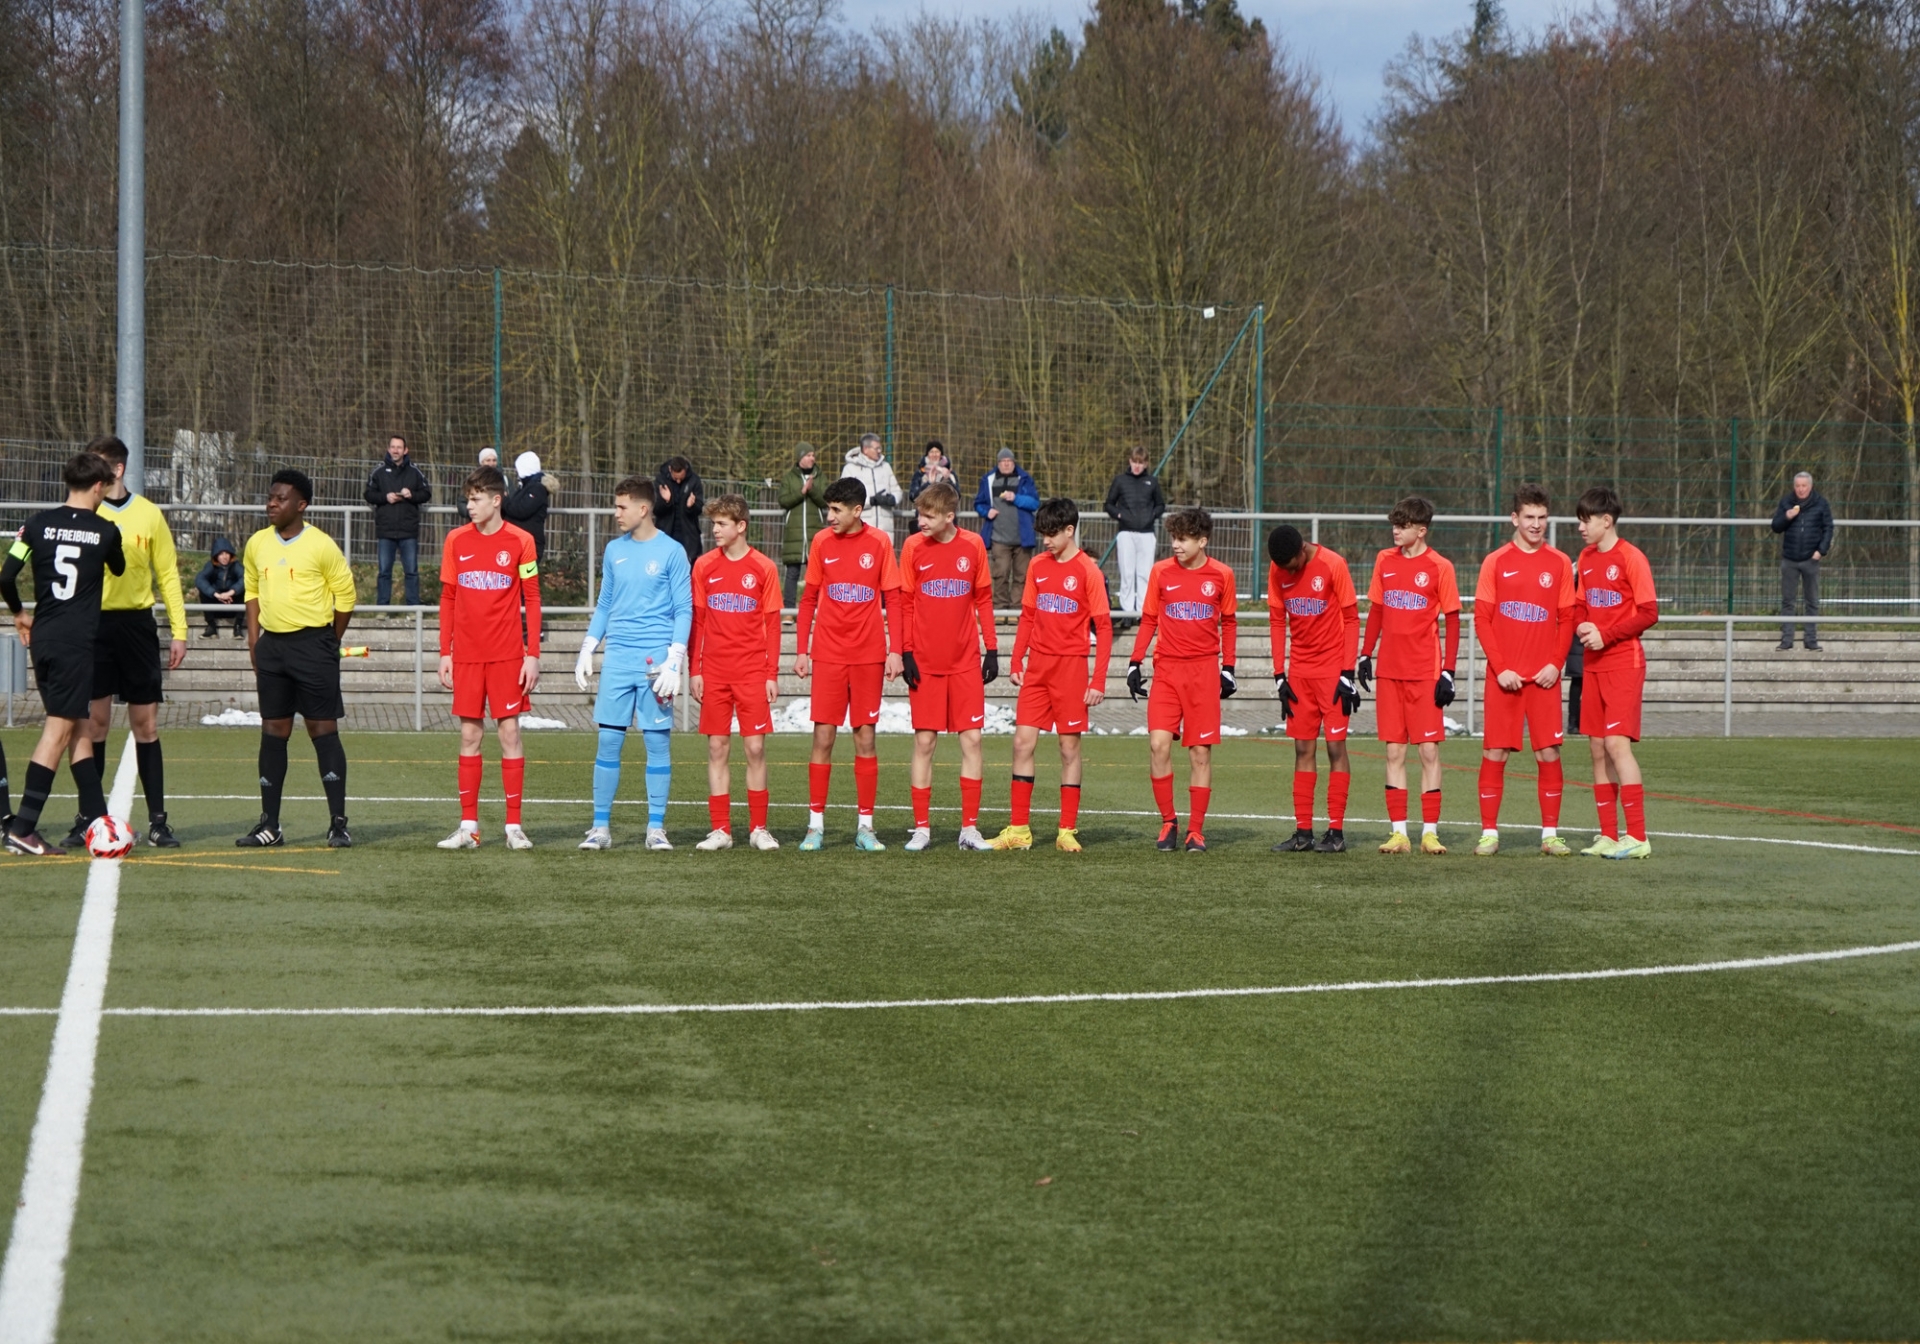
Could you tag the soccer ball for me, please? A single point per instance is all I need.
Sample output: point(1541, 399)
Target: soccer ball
point(109, 838)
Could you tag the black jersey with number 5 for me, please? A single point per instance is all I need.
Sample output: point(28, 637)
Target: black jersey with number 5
point(70, 549)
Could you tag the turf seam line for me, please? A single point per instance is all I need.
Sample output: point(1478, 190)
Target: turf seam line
point(34, 1276)
point(1019, 1000)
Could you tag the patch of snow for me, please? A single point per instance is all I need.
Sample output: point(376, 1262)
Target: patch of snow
point(534, 721)
point(232, 718)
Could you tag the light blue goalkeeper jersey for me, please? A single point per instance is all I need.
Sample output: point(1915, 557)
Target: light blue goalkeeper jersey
point(646, 599)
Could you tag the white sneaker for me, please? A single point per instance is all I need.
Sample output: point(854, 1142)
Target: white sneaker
point(657, 838)
point(762, 838)
point(715, 840)
point(970, 838)
point(517, 838)
point(467, 837)
point(600, 837)
point(919, 840)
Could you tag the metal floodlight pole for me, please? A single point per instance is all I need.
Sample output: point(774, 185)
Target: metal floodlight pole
point(130, 371)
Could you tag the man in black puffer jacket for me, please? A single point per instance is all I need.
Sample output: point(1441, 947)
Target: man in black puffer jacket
point(1804, 521)
point(398, 490)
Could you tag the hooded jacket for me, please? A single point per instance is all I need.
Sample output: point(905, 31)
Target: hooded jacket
point(879, 479)
point(678, 515)
point(1026, 500)
point(1135, 502)
point(526, 508)
point(1808, 531)
point(806, 504)
point(213, 579)
point(400, 520)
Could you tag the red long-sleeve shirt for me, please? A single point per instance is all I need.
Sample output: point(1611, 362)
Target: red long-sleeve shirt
point(736, 618)
point(1521, 608)
point(1191, 610)
point(1404, 596)
point(1617, 595)
point(1062, 600)
point(846, 599)
point(946, 602)
point(484, 579)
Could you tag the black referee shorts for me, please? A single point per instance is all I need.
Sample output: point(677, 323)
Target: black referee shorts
point(63, 673)
point(299, 673)
point(126, 657)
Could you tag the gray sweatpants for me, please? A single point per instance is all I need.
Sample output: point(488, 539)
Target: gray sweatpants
point(1797, 576)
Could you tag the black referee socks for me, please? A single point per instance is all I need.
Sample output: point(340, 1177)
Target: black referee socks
point(6, 798)
point(153, 775)
point(86, 780)
point(273, 775)
point(33, 797)
point(333, 771)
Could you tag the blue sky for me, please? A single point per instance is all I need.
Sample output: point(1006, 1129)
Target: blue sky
point(1347, 41)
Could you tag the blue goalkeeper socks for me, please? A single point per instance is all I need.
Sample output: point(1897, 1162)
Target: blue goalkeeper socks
point(659, 774)
point(606, 775)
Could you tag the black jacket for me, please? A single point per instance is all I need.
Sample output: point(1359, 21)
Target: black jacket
point(526, 508)
point(212, 580)
point(400, 520)
point(679, 514)
point(1808, 531)
point(1135, 502)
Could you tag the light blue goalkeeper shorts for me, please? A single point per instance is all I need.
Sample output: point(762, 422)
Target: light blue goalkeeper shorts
point(626, 699)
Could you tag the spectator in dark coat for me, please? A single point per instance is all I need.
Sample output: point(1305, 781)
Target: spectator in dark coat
point(681, 497)
point(1135, 504)
point(223, 580)
point(398, 490)
point(803, 494)
point(1804, 521)
point(526, 508)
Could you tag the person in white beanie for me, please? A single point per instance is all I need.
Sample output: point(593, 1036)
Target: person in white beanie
point(526, 508)
point(489, 457)
point(867, 464)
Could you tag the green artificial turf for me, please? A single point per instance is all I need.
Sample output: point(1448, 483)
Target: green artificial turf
point(1727, 1155)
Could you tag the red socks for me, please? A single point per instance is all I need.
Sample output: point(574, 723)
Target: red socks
point(1396, 805)
point(513, 778)
point(1303, 785)
point(720, 812)
point(1337, 785)
point(1603, 804)
point(1493, 782)
point(470, 768)
point(969, 802)
point(923, 808)
point(1197, 800)
point(1633, 801)
point(866, 783)
point(819, 779)
point(1163, 795)
point(1022, 806)
point(1430, 807)
point(757, 809)
point(1069, 807)
point(1550, 787)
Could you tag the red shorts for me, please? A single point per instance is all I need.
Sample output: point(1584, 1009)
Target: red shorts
point(1535, 708)
point(1404, 711)
point(1610, 701)
point(1318, 707)
point(848, 692)
point(955, 703)
point(1184, 699)
point(1053, 694)
point(727, 699)
point(478, 687)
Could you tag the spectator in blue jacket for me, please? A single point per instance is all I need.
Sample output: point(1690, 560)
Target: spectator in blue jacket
point(1804, 521)
point(1006, 504)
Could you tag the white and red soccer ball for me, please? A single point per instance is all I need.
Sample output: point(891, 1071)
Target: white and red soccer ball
point(109, 838)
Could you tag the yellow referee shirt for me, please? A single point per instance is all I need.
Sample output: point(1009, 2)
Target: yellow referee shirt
point(151, 562)
point(300, 583)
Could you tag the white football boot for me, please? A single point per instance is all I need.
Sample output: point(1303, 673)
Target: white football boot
point(919, 840)
point(517, 838)
point(970, 838)
point(467, 837)
point(600, 837)
point(762, 838)
point(657, 838)
point(715, 840)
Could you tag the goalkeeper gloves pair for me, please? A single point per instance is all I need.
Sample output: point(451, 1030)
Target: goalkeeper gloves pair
point(665, 678)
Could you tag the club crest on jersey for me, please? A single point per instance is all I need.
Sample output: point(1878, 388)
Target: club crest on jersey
point(866, 559)
point(1206, 588)
point(653, 566)
point(1546, 579)
point(501, 558)
point(1422, 579)
point(746, 580)
point(1070, 583)
point(963, 564)
point(1613, 571)
point(1319, 582)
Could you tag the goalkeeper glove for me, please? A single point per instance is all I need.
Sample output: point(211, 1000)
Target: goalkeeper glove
point(1284, 693)
point(1364, 673)
point(1136, 681)
point(666, 681)
point(989, 667)
point(1443, 691)
point(1227, 684)
point(910, 671)
point(1347, 694)
point(583, 665)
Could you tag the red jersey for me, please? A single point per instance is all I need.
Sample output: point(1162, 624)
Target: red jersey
point(1521, 606)
point(1062, 599)
point(1403, 600)
point(736, 618)
point(1192, 610)
point(1616, 594)
point(847, 582)
point(1319, 608)
point(484, 577)
point(946, 602)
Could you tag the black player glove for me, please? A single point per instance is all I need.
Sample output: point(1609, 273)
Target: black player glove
point(1347, 694)
point(1136, 681)
point(1443, 691)
point(989, 667)
point(1364, 673)
point(1284, 694)
point(910, 671)
point(1227, 684)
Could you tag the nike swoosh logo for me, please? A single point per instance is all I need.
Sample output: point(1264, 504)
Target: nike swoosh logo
point(621, 561)
point(1509, 573)
point(1615, 724)
point(465, 558)
point(510, 708)
point(831, 559)
point(976, 718)
point(926, 567)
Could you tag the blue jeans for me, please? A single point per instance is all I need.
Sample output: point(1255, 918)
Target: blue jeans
point(408, 549)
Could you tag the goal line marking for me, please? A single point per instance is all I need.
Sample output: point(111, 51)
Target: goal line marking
point(1019, 1000)
point(33, 1278)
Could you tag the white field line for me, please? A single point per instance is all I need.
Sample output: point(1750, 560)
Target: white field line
point(1017, 1000)
point(34, 1277)
point(1474, 825)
